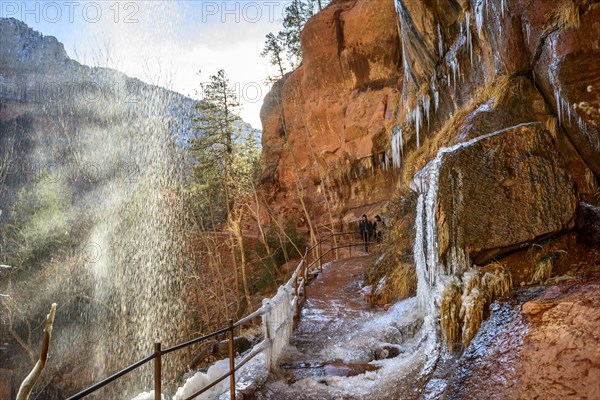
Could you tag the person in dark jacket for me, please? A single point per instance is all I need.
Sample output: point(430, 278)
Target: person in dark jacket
point(365, 227)
point(378, 227)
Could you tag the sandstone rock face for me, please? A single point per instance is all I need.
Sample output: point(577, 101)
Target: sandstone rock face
point(502, 192)
point(335, 108)
point(565, 55)
point(561, 352)
point(439, 74)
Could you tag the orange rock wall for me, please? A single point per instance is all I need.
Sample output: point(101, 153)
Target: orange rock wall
point(478, 66)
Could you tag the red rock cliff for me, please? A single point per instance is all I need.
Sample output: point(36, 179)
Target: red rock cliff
point(336, 108)
point(426, 74)
point(511, 87)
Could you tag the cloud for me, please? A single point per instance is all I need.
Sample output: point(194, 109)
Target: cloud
point(167, 43)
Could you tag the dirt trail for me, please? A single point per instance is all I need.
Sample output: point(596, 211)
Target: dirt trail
point(334, 306)
point(334, 303)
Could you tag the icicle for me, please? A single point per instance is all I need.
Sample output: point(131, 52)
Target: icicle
point(436, 95)
point(426, 106)
point(569, 114)
point(397, 147)
point(479, 8)
point(502, 8)
point(418, 118)
point(440, 41)
point(528, 31)
point(454, 64)
point(468, 32)
point(580, 123)
point(558, 105)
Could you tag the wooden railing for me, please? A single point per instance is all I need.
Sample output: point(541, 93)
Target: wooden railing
point(278, 314)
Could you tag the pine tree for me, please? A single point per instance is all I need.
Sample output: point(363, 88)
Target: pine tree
point(296, 15)
point(273, 51)
point(213, 148)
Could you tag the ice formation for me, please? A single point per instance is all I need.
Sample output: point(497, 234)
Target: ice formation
point(440, 41)
point(201, 380)
point(431, 270)
point(479, 7)
point(147, 396)
point(397, 149)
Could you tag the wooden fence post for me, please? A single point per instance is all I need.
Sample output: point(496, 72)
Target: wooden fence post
point(231, 361)
point(157, 372)
point(266, 321)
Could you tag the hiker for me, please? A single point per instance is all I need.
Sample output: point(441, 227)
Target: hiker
point(378, 227)
point(365, 227)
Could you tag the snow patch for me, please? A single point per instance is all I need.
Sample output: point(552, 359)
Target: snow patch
point(147, 396)
point(201, 380)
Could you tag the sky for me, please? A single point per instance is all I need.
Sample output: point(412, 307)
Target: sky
point(176, 44)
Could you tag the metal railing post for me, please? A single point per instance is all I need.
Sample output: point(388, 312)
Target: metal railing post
point(320, 257)
point(351, 244)
point(334, 251)
point(231, 361)
point(157, 371)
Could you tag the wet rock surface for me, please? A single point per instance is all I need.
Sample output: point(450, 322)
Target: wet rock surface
point(563, 45)
point(503, 192)
point(542, 343)
point(325, 354)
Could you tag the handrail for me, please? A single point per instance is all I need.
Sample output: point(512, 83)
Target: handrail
point(194, 341)
point(111, 378)
point(250, 317)
point(294, 282)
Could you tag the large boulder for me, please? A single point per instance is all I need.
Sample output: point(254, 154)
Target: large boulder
point(503, 192)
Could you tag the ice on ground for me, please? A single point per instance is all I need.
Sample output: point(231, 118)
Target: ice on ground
point(201, 380)
point(401, 327)
point(418, 348)
point(147, 396)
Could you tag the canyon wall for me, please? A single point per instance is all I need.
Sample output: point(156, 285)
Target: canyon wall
point(385, 84)
point(487, 113)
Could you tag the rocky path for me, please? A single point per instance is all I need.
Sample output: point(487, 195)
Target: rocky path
point(333, 305)
point(334, 308)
